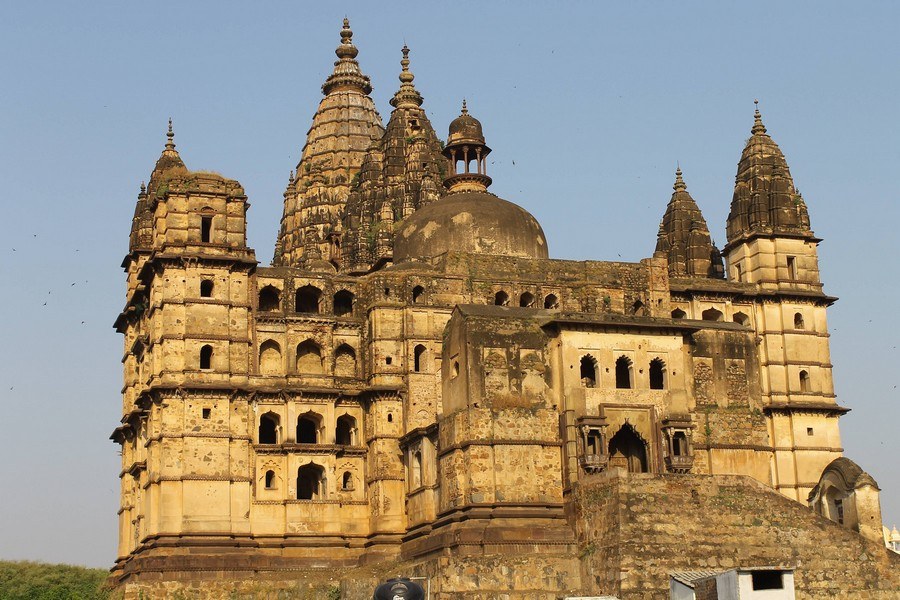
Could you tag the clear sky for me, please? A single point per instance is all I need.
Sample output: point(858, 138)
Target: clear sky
point(587, 106)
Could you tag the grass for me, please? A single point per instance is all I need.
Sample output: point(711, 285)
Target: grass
point(25, 580)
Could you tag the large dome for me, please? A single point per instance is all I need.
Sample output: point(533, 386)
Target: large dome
point(470, 221)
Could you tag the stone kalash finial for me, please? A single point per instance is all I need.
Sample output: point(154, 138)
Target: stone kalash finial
point(679, 181)
point(170, 137)
point(465, 143)
point(347, 73)
point(758, 127)
point(407, 96)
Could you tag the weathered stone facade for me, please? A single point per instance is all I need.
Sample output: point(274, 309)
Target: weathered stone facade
point(415, 387)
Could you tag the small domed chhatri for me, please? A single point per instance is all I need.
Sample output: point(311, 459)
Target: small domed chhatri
point(469, 219)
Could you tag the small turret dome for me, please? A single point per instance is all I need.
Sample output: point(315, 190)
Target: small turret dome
point(465, 129)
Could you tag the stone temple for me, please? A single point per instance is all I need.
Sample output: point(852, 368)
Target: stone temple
point(415, 388)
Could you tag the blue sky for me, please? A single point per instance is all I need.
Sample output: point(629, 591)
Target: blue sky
point(587, 106)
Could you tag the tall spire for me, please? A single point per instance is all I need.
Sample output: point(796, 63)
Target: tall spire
point(347, 73)
point(684, 237)
point(407, 96)
point(765, 200)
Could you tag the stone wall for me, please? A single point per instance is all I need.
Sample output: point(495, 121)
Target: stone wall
point(636, 529)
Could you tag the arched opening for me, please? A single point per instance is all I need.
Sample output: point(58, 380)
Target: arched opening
point(589, 371)
point(419, 358)
point(657, 374)
point(206, 227)
point(417, 293)
point(623, 373)
point(711, 314)
point(741, 319)
point(269, 298)
point(501, 298)
point(345, 431)
point(307, 299)
point(347, 481)
point(551, 301)
point(627, 449)
point(416, 469)
point(678, 314)
point(798, 321)
point(268, 428)
point(679, 444)
point(526, 300)
point(637, 308)
point(344, 361)
point(270, 480)
point(309, 358)
point(308, 428)
point(310, 482)
point(206, 288)
point(804, 381)
point(206, 354)
point(343, 303)
point(270, 358)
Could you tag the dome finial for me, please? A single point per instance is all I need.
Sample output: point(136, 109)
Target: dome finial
point(758, 126)
point(679, 182)
point(407, 96)
point(346, 49)
point(170, 137)
point(465, 111)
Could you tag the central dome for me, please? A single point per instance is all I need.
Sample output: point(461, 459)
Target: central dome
point(470, 221)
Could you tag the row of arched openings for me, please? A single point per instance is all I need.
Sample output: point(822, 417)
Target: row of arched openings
point(309, 359)
point(307, 299)
point(309, 430)
point(311, 484)
point(590, 372)
point(526, 300)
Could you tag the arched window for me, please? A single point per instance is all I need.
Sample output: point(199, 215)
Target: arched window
point(307, 300)
point(804, 381)
point(589, 369)
point(310, 482)
point(798, 321)
point(206, 288)
point(343, 303)
point(526, 300)
point(270, 480)
point(345, 431)
point(206, 227)
point(711, 314)
point(501, 298)
point(206, 354)
point(678, 314)
point(269, 298)
point(309, 358)
point(741, 319)
point(417, 293)
point(551, 301)
point(347, 481)
point(268, 428)
point(628, 450)
point(308, 428)
point(344, 361)
point(416, 479)
point(270, 358)
point(419, 358)
point(623, 373)
point(657, 374)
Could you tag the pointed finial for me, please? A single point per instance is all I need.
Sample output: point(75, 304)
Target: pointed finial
point(143, 188)
point(758, 126)
point(405, 75)
point(346, 49)
point(170, 137)
point(679, 182)
point(465, 111)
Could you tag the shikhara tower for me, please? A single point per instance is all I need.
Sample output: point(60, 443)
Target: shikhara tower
point(414, 382)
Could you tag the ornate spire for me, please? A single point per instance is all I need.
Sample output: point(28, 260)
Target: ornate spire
point(347, 73)
point(170, 137)
point(407, 96)
point(765, 201)
point(684, 237)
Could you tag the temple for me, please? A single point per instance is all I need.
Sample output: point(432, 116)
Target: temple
point(414, 387)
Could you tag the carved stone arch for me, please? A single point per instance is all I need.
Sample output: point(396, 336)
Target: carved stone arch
point(629, 449)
